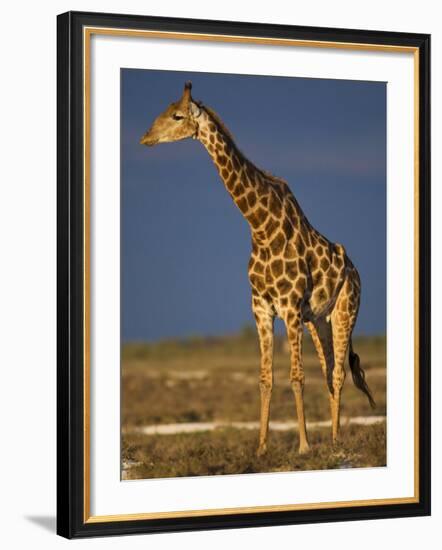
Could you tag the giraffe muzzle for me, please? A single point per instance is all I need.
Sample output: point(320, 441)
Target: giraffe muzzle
point(147, 140)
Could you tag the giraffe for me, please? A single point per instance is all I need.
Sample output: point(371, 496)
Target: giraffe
point(294, 271)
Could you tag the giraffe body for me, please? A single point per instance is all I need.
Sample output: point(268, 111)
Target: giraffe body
point(294, 271)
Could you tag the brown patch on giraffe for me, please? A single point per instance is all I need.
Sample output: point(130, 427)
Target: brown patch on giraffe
point(212, 127)
point(277, 267)
point(259, 236)
point(321, 294)
point(300, 246)
point(325, 264)
point(339, 262)
point(293, 299)
point(239, 190)
point(230, 182)
point(225, 173)
point(301, 284)
point(291, 211)
point(302, 266)
point(265, 201)
point(251, 199)
point(271, 226)
point(254, 220)
point(291, 269)
point(212, 138)
point(319, 250)
point(312, 260)
point(273, 292)
point(222, 160)
point(275, 206)
point(304, 231)
point(290, 251)
point(261, 214)
point(317, 278)
point(284, 286)
point(257, 282)
point(235, 163)
point(267, 296)
point(229, 165)
point(268, 276)
point(277, 244)
point(259, 267)
point(263, 254)
point(242, 204)
point(287, 227)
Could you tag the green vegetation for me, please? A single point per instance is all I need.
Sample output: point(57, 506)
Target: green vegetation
point(216, 379)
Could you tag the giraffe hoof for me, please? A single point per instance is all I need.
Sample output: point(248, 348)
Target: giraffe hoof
point(304, 449)
point(262, 449)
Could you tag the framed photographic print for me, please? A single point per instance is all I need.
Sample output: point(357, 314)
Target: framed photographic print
point(243, 274)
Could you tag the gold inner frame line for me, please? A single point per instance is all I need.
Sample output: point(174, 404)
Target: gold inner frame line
point(87, 34)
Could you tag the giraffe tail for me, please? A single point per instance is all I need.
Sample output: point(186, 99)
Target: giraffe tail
point(358, 375)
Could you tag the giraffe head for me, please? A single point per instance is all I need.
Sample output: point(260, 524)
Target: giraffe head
point(177, 122)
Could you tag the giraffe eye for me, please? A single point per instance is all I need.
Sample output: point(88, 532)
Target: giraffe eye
point(177, 117)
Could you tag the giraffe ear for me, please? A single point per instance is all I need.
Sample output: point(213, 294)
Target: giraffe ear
point(195, 111)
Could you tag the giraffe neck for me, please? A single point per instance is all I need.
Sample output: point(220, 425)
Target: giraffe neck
point(244, 182)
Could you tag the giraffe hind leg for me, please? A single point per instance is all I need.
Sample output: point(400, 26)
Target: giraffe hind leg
point(343, 319)
point(321, 332)
point(324, 336)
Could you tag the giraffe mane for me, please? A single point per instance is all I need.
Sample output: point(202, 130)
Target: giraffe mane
point(272, 177)
point(215, 116)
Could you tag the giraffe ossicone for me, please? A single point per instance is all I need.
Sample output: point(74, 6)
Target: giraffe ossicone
point(294, 271)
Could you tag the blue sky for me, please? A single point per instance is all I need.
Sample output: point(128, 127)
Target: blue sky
point(185, 246)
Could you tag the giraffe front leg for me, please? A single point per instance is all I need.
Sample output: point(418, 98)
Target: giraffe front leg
point(294, 333)
point(264, 323)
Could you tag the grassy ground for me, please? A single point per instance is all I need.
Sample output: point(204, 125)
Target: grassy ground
point(203, 380)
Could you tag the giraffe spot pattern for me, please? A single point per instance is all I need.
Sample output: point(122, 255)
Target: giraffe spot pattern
point(242, 204)
point(288, 229)
point(259, 267)
point(284, 286)
point(251, 198)
point(277, 244)
point(288, 254)
point(277, 267)
point(325, 264)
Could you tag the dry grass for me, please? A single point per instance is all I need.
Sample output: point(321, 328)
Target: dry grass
point(202, 380)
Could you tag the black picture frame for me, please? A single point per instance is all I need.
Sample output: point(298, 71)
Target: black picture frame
point(72, 520)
